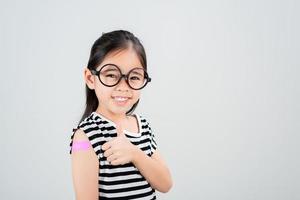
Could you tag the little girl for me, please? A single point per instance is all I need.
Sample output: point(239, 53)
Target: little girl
point(113, 151)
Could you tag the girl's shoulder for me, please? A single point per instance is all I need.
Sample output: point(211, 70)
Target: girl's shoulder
point(95, 122)
point(91, 129)
point(146, 127)
point(144, 118)
point(145, 122)
point(90, 121)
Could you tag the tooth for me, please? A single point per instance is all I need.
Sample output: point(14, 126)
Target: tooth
point(121, 98)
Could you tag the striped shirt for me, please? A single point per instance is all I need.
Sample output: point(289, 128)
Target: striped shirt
point(120, 181)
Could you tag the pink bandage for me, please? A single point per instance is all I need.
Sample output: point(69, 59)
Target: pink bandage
point(80, 145)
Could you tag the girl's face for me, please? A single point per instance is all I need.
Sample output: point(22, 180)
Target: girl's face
point(116, 100)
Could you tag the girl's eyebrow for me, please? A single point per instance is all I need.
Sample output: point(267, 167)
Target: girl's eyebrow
point(108, 70)
point(134, 72)
point(113, 69)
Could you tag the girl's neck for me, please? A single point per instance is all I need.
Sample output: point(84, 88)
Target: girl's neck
point(116, 118)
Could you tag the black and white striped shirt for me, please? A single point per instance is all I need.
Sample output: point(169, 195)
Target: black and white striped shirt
point(121, 181)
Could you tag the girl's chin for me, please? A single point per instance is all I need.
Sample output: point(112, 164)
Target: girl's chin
point(120, 110)
point(121, 107)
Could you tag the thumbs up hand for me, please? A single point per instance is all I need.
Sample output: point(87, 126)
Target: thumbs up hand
point(119, 150)
point(120, 130)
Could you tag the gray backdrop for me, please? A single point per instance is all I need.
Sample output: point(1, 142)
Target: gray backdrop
point(224, 101)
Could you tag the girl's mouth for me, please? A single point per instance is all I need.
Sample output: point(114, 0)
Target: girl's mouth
point(120, 100)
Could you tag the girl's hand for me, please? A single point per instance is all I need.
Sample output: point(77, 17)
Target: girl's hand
point(119, 150)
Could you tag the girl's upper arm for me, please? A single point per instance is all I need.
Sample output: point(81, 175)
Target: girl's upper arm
point(85, 169)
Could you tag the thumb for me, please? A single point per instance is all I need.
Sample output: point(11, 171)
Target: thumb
point(120, 130)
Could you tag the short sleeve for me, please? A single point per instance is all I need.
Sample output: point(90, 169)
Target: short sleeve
point(72, 138)
point(92, 132)
point(153, 143)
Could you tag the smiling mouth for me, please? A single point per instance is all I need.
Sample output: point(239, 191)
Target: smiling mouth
point(121, 100)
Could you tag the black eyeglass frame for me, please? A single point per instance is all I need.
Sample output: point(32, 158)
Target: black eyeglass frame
point(146, 76)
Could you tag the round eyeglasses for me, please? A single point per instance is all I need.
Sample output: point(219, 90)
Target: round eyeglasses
point(110, 75)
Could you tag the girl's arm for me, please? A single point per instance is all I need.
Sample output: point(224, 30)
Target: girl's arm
point(85, 166)
point(120, 151)
point(153, 169)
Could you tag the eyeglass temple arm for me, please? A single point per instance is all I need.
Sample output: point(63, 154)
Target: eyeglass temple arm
point(95, 72)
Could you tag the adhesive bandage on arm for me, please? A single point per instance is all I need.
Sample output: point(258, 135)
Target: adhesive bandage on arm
point(80, 145)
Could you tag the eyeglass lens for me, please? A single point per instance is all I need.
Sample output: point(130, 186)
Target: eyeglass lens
point(110, 75)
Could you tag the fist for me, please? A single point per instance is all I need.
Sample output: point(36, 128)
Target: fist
point(119, 150)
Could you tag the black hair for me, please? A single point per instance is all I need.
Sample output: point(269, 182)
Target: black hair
point(107, 43)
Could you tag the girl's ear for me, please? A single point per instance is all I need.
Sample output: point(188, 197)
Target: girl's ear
point(89, 78)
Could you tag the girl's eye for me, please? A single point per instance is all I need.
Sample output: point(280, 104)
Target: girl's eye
point(111, 76)
point(135, 78)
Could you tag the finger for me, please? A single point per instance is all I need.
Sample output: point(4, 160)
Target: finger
point(117, 162)
point(120, 131)
point(106, 146)
point(112, 157)
point(108, 152)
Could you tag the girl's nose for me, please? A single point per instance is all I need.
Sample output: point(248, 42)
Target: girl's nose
point(122, 85)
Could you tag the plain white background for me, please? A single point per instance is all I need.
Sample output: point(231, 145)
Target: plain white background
point(224, 101)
